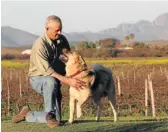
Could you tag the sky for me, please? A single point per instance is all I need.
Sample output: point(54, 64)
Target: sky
point(78, 16)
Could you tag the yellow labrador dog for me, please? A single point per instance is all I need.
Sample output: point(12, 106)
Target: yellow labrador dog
point(99, 83)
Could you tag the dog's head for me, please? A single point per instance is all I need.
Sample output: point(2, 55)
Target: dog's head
point(64, 56)
point(72, 58)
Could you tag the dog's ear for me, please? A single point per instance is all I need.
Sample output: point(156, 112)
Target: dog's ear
point(82, 60)
point(79, 60)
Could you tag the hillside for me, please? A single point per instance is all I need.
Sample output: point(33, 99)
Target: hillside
point(12, 37)
point(143, 30)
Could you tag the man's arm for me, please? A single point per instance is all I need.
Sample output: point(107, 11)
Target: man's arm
point(63, 79)
point(40, 59)
point(69, 81)
point(45, 68)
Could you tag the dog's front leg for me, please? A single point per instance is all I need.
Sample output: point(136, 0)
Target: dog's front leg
point(79, 109)
point(81, 100)
point(72, 107)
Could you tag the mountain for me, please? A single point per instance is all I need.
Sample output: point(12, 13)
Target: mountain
point(143, 30)
point(12, 37)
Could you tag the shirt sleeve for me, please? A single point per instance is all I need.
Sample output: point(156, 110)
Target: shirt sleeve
point(41, 58)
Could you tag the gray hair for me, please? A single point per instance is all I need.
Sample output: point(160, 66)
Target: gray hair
point(53, 18)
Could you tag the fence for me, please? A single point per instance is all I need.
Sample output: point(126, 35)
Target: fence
point(134, 87)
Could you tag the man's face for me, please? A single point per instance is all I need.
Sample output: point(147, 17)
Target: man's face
point(53, 30)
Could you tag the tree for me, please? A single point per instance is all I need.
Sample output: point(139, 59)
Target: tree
point(131, 36)
point(92, 45)
point(82, 45)
point(126, 38)
point(107, 43)
point(129, 40)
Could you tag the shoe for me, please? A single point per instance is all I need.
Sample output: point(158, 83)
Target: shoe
point(51, 120)
point(21, 116)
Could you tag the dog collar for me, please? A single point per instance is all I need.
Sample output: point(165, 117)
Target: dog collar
point(75, 74)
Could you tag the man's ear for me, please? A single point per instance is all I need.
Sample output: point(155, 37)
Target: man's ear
point(46, 28)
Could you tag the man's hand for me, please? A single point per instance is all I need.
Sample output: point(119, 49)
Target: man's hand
point(76, 83)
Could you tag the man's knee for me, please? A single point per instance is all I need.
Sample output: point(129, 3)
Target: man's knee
point(51, 83)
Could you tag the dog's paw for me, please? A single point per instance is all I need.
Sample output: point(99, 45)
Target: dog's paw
point(116, 120)
point(80, 117)
point(68, 124)
point(97, 119)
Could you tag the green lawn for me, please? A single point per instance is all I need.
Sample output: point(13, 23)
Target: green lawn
point(106, 124)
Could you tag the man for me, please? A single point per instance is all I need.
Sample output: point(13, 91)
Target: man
point(46, 71)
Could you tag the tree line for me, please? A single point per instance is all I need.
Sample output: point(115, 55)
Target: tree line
point(110, 47)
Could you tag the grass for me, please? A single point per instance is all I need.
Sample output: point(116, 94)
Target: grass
point(126, 124)
point(15, 63)
point(135, 61)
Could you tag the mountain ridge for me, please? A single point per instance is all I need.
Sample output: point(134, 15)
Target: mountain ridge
point(143, 30)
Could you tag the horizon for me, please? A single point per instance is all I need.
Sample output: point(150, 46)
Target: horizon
point(99, 20)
